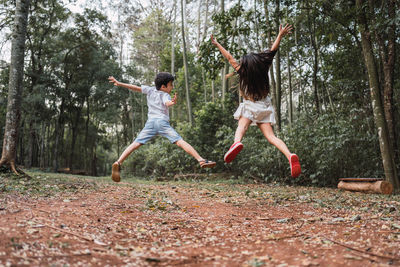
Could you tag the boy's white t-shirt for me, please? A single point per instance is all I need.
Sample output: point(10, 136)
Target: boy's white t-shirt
point(156, 100)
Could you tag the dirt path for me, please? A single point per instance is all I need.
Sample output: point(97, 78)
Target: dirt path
point(184, 224)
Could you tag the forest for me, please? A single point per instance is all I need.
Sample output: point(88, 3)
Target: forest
point(334, 85)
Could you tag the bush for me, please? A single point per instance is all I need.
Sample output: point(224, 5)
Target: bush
point(328, 147)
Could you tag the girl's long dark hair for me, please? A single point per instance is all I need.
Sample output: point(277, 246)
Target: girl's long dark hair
point(253, 75)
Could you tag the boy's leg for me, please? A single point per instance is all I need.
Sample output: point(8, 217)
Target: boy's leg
point(191, 151)
point(132, 147)
point(116, 167)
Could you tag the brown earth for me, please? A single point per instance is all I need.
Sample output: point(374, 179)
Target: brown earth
point(199, 224)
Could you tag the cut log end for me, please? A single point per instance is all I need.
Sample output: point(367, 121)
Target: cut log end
point(380, 187)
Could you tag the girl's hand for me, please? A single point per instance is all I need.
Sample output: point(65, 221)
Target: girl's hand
point(214, 41)
point(113, 80)
point(285, 30)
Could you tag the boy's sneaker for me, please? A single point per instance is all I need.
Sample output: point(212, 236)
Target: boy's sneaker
point(233, 151)
point(207, 163)
point(295, 168)
point(116, 172)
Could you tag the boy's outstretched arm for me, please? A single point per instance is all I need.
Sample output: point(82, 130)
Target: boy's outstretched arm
point(282, 32)
point(225, 53)
point(126, 85)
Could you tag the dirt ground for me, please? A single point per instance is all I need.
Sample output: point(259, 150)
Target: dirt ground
point(139, 223)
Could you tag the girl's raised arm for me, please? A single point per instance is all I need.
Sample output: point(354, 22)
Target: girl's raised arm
point(225, 53)
point(282, 32)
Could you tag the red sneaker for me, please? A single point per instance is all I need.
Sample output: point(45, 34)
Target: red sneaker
point(233, 151)
point(295, 168)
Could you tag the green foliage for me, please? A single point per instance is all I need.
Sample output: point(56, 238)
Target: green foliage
point(329, 148)
point(226, 33)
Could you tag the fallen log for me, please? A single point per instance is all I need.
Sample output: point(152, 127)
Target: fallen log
point(367, 185)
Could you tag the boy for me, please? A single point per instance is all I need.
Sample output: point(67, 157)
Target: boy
point(158, 102)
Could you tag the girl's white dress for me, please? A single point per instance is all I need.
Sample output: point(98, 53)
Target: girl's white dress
point(260, 111)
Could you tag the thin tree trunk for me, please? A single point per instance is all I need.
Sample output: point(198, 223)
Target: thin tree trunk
point(379, 117)
point(75, 128)
point(206, 21)
point(173, 52)
point(15, 85)
point(271, 69)
point(311, 27)
point(290, 90)
point(59, 133)
point(198, 25)
point(278, 93)
point(225, 69)
point(203, 76)
point(189, 105)
point(213, 90)
point(42, 146)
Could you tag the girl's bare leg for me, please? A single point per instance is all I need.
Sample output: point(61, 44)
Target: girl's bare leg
point(243, 125)
point(268, 132)
point(132, 147)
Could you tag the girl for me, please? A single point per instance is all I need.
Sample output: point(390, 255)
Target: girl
point(257, 108)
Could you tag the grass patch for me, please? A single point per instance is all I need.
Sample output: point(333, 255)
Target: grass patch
point(42, 184)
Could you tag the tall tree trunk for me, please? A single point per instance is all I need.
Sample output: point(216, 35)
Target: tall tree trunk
point(203, 77)
point(74, 129)
point(86, 147)
point(313, 43)
point(388, 60)
point(42, 146)
point(31, 143)
point(173, 52)
point(225, 69)
point(15, 85)
point(189, 105)
point(268, 44)
point(59, 133)
point(213, 90)
point(198, 25)
point(290, 90)
point(206, 21)
point(278, 92)
point(379, 117)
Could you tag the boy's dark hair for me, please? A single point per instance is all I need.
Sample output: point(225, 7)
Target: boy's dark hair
point(163, 78)
point(253, 75)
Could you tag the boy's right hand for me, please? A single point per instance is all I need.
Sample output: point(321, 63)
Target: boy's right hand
point(111, 79)
point(175, 98)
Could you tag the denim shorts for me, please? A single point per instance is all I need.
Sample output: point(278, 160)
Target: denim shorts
point(155, 127)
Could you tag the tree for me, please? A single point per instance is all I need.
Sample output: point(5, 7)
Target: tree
point(185, 62)
point(278, 87)
point(387, 156)
point(15, 84)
